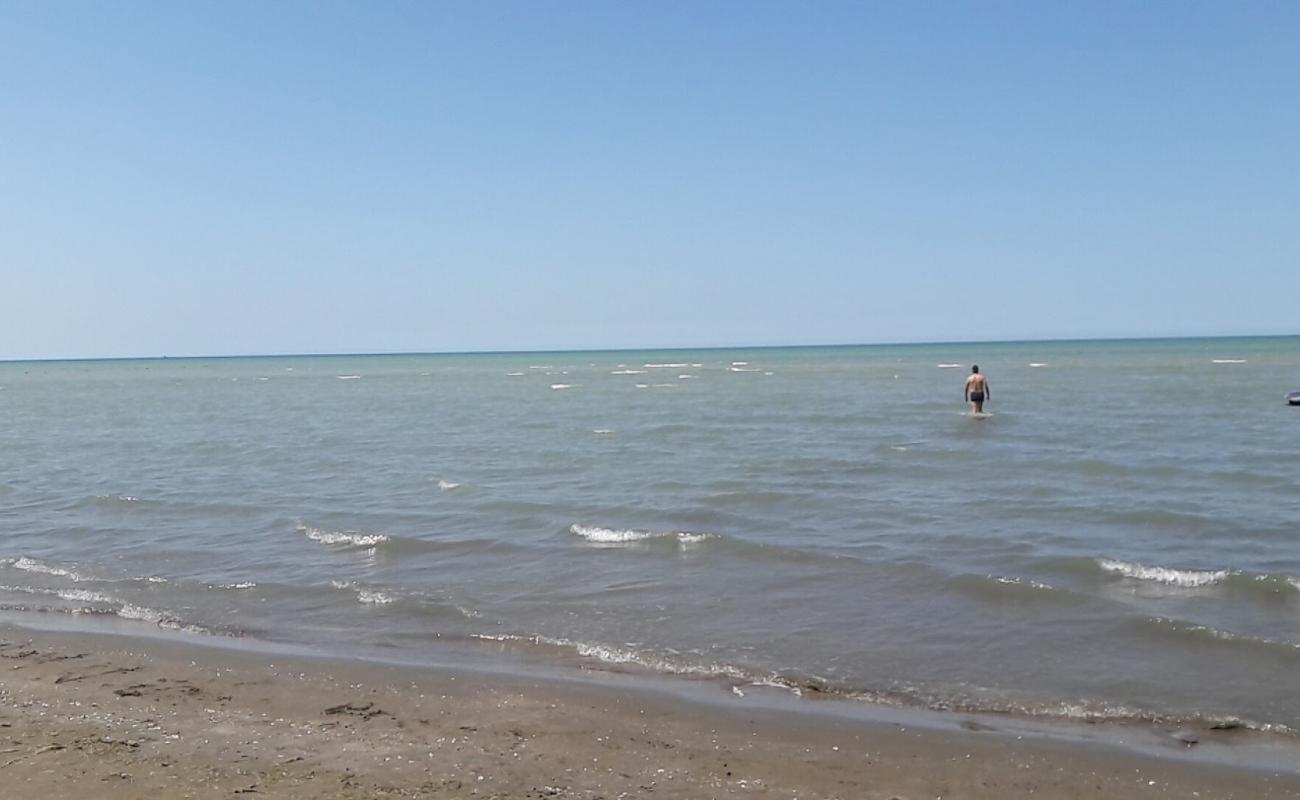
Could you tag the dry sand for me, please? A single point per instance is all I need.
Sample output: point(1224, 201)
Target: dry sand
point(87, 716)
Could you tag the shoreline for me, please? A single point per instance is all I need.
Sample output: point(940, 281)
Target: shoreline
point(79, 710)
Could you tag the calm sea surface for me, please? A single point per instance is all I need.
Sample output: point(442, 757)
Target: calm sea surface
point(1121, 538)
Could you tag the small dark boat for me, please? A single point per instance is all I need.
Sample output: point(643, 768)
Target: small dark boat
point(1293, 399)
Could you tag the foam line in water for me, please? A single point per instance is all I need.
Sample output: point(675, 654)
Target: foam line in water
point(32, 565)
point(625, 656)
point(1191, 632)
point(348, 377)
point(1020, 582)
point(367, 596)
point(447, 486)
point(83, 596)
point(1186, 578)
point(1228, 360)
point(558, 386)
point(374, 598)
point(627, 372)
point(600, 535)
point(350, 538)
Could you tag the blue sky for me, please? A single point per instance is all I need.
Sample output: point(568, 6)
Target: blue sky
point(226, 178)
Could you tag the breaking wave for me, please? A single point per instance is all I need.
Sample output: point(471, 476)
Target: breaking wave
point(599, 535)
point(1186, 578)
point(348, 538)
point(973, 701)
point(32, 565)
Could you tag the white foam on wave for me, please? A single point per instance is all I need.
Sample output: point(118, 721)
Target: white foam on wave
point(744, 369)
point(626, 656)
point(665, 366)
point(602, 431)
point(32, 565)
point(1186, 578)
point(141, 613)
point(558, 386)
point(514, 374)
point(447, 486)
point(1228, 360)
point(351, 538)
point(740, 363)
point(600, 535)
point(83, 596)
point(643, 386)
point(542, 366)
point(1020, 582)
point(1037, 364)
point(367, 596)
point(348, 377)
point(665, 386)
point(685, 377)
point(240, 585)
point(627, 372)
point(948, 366)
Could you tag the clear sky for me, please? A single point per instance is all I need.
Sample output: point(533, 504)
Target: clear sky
point(270, 177)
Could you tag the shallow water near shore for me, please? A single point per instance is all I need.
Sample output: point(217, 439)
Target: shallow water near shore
point(1117, 541)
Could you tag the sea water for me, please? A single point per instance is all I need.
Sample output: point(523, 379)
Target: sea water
point(1119, 539)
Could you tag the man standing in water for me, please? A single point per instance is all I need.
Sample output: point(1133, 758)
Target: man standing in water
point(977, 390)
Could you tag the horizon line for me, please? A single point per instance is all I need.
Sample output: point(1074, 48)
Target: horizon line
point(360, 354)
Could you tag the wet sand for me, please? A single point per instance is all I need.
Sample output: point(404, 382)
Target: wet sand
point(108, 717)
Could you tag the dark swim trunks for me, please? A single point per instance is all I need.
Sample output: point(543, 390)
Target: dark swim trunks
point(977, 397)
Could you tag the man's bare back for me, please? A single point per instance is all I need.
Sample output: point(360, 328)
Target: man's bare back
point(977, 390)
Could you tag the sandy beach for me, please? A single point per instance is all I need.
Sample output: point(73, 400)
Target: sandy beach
point(85, 715)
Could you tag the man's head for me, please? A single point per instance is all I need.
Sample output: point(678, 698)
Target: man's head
point(975, 369)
